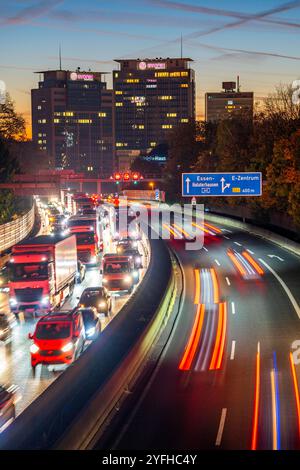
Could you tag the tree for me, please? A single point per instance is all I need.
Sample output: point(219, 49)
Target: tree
point(183, 154)
point(12, 124)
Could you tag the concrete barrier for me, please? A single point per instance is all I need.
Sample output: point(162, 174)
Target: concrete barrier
point(16, 230)
point(85, 430)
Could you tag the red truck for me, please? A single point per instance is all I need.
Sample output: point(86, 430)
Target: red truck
point(42, 273)
point(118, 273)
point(89, 238)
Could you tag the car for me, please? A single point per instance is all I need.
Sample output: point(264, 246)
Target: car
point(91, 321)
point(136, 256)
point(8, 399)
point(81, 271)
point(59, 338)
point(125, 244)
point(97, 297)
point(88, 211)
point(5, 328)
point(4, 278)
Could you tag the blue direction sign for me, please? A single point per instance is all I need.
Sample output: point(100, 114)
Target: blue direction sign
point(221, 184)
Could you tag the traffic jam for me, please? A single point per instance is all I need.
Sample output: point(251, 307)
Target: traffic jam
point(60, 288)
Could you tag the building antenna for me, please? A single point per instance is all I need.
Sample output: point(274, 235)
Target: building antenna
point(181, 46)
point(59, 57)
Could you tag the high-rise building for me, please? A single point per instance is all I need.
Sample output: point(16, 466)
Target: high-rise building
point(152, 97)
point(72, 120)
point(220, 105)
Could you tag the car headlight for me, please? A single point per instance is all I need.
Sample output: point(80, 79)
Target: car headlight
point(104, 281)
point(102, 304)
point(34, 348)
point(135, 274)
point(1, 332)
point(45, 300)
point(93, 259)
point(67, 347)
point(134, 244)
point(133, 234)
point(90, 332)
point(127, 279)
point(138, 259)
point(13, 301)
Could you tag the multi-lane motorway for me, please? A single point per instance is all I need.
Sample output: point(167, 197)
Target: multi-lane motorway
point(225, 379)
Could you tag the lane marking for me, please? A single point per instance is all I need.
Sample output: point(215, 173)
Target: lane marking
point(227, 280)
point(204, 248)
point(221, 427)
point(238, 244)
point(232, 350)
point(275, 256)
point(285, 287)
point(227, 238)
point(217, 262)
point(256, 400)
point(233, 308)
point(250, 251)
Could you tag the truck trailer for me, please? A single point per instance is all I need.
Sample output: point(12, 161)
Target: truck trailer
point(42, 273)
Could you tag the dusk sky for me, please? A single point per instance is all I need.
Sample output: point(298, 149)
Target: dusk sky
point(258, 40)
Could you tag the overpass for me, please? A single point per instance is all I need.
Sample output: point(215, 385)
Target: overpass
point(49, 183)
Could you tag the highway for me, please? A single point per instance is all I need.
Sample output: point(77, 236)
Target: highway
point(225, 379)
point(15, 367)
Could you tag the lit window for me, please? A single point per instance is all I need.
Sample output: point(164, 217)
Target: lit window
point(119, 144)
point(141, 126)
point(102, 114)
point(68, 113)
point(39, 107)
point(184, 85)
point(152, 144)
point(161, 74)
point(119, 92)
point(84, 121)
point(132, 80)
point(165, 98)
point(167, 126)
point(171, 114)
point(119, 104)
point(184, 74)
point(184, 120)
point(56, 121)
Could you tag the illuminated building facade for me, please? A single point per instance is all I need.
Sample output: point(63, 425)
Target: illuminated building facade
point(152, 97)
point(72, 120)
point(220, 105)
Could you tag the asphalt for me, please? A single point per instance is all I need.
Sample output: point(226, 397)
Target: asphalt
point(250, 401)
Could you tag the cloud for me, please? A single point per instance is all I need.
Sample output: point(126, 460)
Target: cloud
point(242, 18)
point(31, 12)
point(232, 52)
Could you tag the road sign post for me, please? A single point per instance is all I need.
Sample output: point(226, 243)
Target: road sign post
point(221, 184)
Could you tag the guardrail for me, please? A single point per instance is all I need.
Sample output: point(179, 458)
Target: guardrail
point(46, 420)
point(16, 230)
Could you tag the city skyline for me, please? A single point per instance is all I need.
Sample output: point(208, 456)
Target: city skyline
point(223, 38)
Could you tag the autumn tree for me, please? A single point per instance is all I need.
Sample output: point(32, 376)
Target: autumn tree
point(12, 124)
point(183, 154)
